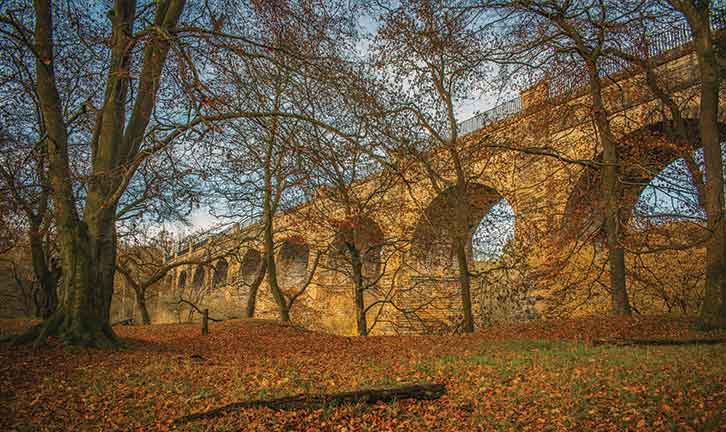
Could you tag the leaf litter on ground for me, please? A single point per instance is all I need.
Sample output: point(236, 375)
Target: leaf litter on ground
point(541, 375)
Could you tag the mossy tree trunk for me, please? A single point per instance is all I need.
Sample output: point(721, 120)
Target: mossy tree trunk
point(46, 273)
point(87, 241)
point(83, 315)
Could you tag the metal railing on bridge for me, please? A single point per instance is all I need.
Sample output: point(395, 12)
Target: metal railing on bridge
point(198, 240)
point(659, 44)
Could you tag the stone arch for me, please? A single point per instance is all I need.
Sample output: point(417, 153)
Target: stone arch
point(198, 279)
point(292, 263)
point(220, 274)
point(645, 152)
point(249, 267)
point(182, 280)
point(366, 236)
point(432, 243)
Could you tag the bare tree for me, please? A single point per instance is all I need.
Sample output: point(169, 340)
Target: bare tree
point(154, 97)
point(263, 174)
point(703, 20)
point(351, 202)
point(571, 38)
point(439, 51)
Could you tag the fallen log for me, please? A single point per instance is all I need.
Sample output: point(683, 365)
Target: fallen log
point(657, 342)
point(305, 401)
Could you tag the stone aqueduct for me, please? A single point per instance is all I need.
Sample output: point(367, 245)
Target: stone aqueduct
point(532, 184)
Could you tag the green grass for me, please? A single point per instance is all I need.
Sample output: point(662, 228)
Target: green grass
point(588, 379)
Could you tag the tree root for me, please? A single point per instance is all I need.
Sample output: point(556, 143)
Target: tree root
point(370, 396)
point(71, 330)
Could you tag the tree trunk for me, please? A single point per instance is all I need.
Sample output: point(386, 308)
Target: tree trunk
point(713, 309)
point(360, 313)
point(616, 253)
point(50, 294)
point(359, 289)
point(46, 275)
point(616, 261)
point(83, 315)
point(459, 233)
point(610, 190)
point(205, 322)
point(251, 302)
point(282, 307)
point(254, 288)
point(141, 304)
point(465, 283)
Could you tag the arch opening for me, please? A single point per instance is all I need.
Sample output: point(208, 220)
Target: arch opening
point(494, 235)
point(654, 170)
point(361, 236)
point(198, 280)
point(669, 216)
point(249, 267)
point(220, 273)
point(292, 264)
point(433, 239)
point(672, 195)
point(662, 218)
point(182, 281)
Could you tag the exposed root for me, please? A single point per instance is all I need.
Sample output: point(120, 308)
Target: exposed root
point(71, 330)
